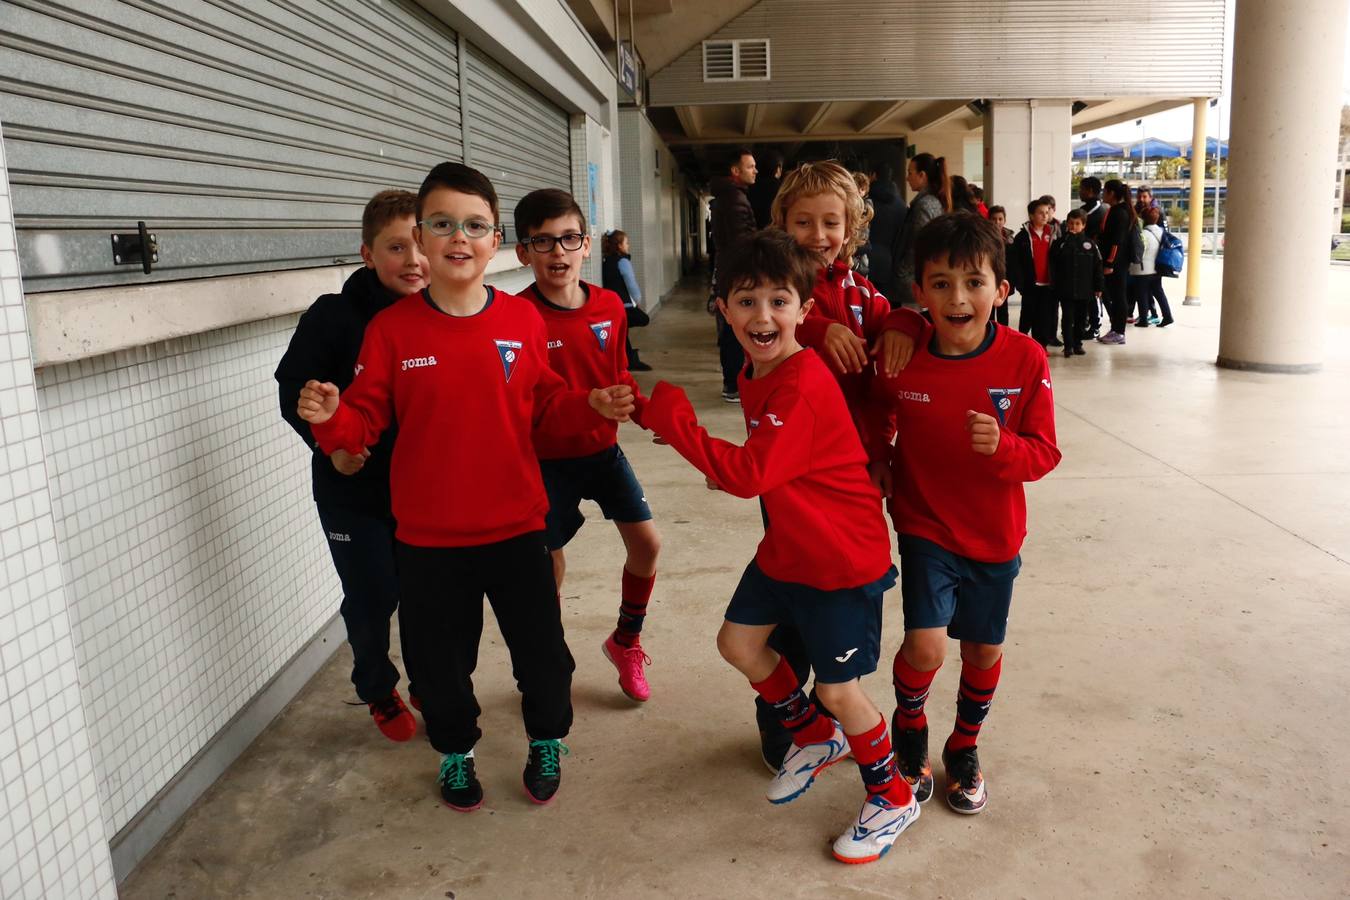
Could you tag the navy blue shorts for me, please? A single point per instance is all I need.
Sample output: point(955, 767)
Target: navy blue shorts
point(605, 477)
point(841, 629)
point(939, 588)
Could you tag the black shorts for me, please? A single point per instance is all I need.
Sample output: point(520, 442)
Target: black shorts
point(840, 629)
point(941, 589)
point(605, 477)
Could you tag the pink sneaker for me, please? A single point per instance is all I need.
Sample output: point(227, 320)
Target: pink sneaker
point(629, 661)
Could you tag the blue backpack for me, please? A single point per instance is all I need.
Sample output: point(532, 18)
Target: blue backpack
point(1171, 254)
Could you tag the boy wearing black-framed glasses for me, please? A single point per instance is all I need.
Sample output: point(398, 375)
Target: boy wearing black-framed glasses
point(587, 327)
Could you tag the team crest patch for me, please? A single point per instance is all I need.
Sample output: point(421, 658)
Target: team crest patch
point(1002, 398)
point(602, 331)
point(509, 351)
point(857, 314)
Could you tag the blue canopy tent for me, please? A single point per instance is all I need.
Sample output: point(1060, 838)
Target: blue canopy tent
point(1212, 145)
point(1096, 148)
point(1153, 149)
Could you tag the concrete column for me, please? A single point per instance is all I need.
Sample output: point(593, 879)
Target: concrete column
point(1287, 57)
point(1027, 154)
point(1195, 225)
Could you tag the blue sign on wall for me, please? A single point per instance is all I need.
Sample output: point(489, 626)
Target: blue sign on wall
point(627, 68)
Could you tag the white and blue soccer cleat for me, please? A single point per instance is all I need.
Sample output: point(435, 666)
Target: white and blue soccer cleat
point(879, 823)
point(802, 765)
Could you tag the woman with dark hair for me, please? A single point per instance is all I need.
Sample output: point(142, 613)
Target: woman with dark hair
point(1117, 248)
point(927, 177)
point(961, 199)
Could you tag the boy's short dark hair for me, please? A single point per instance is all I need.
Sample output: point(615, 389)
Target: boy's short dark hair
point(961, 238)
point(770, 256)
point(734, 157)
point(1092, 183)
point(1075, 213)
point(383, 208)
point(997, 209)
point(461, 178)
point(1037, 204)
point(1049, 198)
point(537, 207)
point(977, 192)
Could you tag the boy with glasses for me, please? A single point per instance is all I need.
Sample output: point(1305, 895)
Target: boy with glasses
point(587, 346)
point(464, 371)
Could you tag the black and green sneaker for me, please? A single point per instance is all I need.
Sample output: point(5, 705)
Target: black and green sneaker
point(911, 757)
point(459, 784)
point(543, 769)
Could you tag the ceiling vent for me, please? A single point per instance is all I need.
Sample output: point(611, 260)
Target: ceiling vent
point(737, 60)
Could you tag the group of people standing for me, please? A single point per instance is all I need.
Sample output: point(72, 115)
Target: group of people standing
point(1104, 254)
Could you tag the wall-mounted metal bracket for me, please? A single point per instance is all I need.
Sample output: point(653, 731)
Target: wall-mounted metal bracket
point(137, 247)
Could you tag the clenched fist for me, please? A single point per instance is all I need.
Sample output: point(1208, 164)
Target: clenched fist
point(318, 402)
point(984, 432)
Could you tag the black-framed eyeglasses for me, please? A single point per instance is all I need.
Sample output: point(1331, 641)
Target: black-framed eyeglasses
point(544, 243)
point(444, 226)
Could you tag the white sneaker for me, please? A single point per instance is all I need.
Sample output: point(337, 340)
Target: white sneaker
point(802, 765)
point(879, 824)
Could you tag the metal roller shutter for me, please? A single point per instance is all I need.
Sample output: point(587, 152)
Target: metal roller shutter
point(516, 137)
point(247, 136)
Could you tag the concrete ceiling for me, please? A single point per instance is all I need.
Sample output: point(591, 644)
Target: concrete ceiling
point(827, 120)
point(664, 29)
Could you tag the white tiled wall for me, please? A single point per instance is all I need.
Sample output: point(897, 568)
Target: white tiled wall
point(189, 544)
point(53, 840)
point(647, 197)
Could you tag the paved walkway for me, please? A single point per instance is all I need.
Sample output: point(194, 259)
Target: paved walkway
point(1169, 722)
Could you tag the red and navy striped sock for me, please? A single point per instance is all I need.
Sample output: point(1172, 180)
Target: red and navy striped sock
point(782, 691)
point(911, 693)
point(876, 762)
point(972, 703)
point(634, 595)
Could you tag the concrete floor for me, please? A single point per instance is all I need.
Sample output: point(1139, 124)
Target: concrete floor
point(1169, 722)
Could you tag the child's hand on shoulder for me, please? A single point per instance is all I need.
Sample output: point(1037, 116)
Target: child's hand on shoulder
point(893, 350)
point(984, 432)
point(615, 402)
point(844, 350)
point(349, 463)
point(318, 402)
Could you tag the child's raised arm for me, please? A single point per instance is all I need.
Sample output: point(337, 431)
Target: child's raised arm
point(356, 420)
point(778, 449)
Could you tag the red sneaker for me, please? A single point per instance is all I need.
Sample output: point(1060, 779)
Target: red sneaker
point(393, 718)
point(629, 661)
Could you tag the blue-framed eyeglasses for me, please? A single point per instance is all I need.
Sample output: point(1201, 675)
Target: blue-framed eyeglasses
point(444, 226)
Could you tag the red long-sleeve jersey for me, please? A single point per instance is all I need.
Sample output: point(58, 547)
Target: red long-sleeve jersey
point(823, 521)
point(843, 296)
point(943, 491)
point(466, 392)
point(588, 347)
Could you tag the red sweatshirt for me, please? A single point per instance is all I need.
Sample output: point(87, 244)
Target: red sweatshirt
point(944, 491)
point(823, 521)
point(588, 347)
point(843, 296)
point(466, 393)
